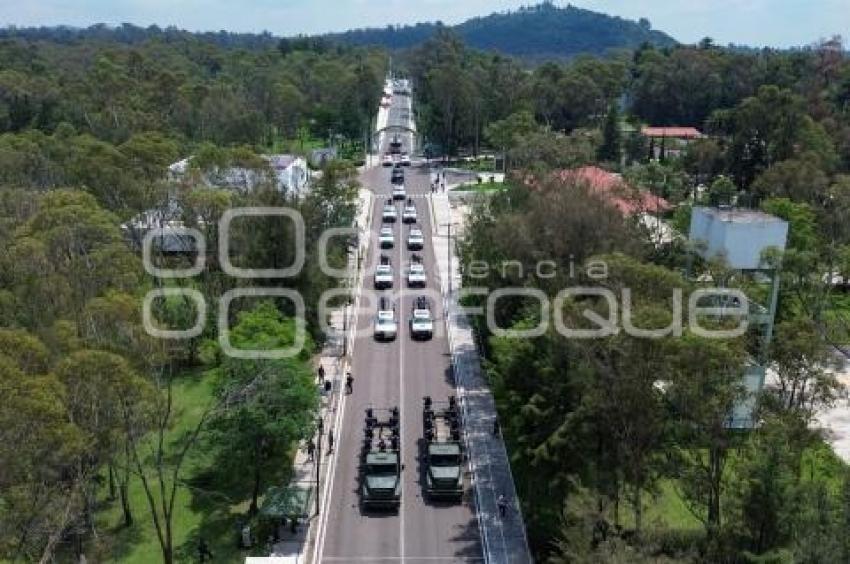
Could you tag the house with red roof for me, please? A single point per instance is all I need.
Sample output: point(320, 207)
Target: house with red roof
point(612, 188)
point(670, 141)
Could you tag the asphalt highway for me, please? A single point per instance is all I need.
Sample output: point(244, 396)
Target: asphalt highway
point(387, 374)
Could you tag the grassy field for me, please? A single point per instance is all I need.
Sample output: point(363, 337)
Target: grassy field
point(208, 504)
point(482, 187)
point(669, 511)
point(296, 145)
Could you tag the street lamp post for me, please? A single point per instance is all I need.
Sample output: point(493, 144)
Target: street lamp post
point(449, 252)
point(320, 425)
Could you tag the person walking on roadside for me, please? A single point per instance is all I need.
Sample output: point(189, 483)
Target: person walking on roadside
point(330, 440)
point(349, 383)
point(321, 374)
point(311, 450)
point(502, 504)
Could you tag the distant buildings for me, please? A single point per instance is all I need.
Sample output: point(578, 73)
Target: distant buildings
point(669, 141)
point(616, 191)
point(629, 201)
point(289, 173)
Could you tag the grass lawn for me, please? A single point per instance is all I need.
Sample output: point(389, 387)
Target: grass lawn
point(480, 165)
point(669, 511)
point(483, 187)
point(210, 502)
point(295, 145)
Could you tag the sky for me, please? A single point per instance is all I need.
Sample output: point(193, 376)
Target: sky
point(776, 23)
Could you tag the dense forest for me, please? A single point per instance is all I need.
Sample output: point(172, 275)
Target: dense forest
point(536, 33)
point(111, 439)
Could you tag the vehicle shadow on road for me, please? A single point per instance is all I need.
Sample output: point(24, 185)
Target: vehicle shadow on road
point(449, 373)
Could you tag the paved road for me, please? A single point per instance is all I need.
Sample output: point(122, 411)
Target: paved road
point(387, 374)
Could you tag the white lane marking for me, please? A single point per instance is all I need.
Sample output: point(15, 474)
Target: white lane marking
point(328, 489)
point(401, 404)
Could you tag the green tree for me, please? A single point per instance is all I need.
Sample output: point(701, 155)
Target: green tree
point(611, 146)
point(105, 399)
point(801, 360)
point(800, 179)
point(507, 133)
point(41, 489)
point(705, 388)
point(722, 191)
point(270, 405)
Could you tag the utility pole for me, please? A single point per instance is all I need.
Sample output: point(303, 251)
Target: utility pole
point(345, 327)
point(320, 426)
point(451, 272)
point(449, 236)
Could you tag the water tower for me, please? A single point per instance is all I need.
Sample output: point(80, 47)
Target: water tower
point(740, 238)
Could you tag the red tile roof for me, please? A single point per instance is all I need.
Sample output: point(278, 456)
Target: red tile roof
point(613, 189)
point(675, 132)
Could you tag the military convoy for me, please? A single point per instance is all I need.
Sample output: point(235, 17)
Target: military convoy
point(443, 453)
point(380, 468)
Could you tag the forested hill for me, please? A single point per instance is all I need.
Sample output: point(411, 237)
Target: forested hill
point(544, 31)
point(540, 32)
point(133, 35)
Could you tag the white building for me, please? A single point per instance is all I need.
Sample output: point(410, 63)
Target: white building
point(290, 173)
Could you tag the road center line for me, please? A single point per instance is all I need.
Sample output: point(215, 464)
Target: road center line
point(401, 388)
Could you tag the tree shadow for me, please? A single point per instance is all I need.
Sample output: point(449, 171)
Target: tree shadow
point(221, 493)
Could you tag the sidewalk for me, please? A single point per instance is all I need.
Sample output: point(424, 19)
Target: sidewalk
point(292, 546)
point(503, 539)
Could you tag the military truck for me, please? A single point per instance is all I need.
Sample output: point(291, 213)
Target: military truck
point(380, 468)
point(443, 454)
point(395, 145)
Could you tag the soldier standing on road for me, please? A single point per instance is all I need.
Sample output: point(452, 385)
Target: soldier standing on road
point(502, 504)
